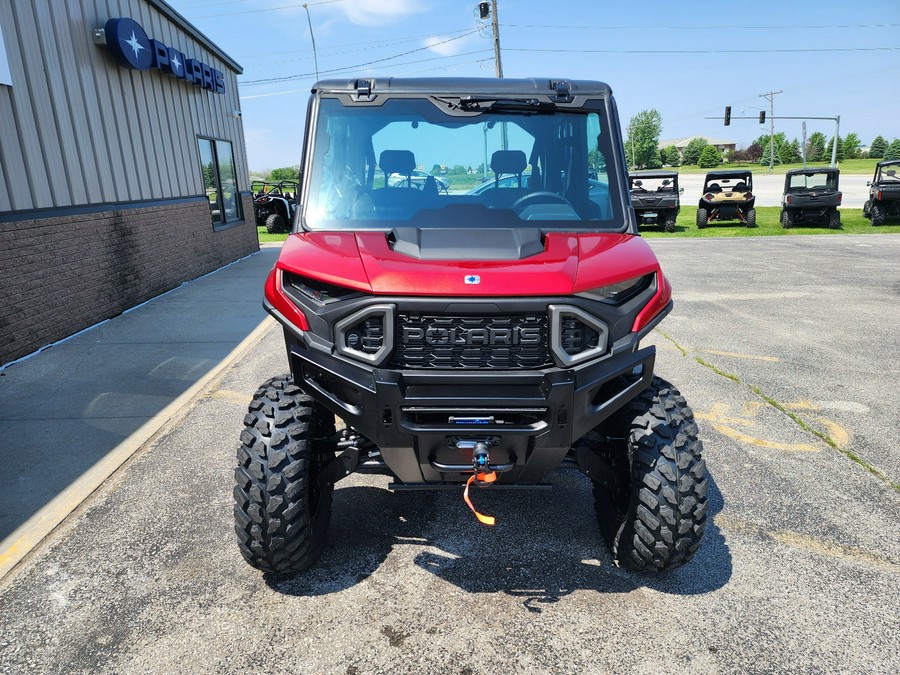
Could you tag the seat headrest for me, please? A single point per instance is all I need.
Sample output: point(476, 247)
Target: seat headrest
point(397, 161)
point(508, 161)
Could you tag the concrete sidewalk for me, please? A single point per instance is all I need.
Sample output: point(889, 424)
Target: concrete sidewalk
point(72, 414)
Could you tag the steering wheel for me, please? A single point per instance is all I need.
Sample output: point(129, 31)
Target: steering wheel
point(541, 197)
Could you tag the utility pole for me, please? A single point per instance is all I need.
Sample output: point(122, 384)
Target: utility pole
point(495, 27)
point(837, 131)
point(313, 38)
point(771, 96)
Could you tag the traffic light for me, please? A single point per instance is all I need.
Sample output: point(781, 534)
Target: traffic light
point(762, 116)
point(484, 10)
point(727, 115)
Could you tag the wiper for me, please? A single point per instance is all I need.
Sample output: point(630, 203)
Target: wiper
point(485, 104)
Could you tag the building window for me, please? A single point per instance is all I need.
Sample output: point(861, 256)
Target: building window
point(219, 180)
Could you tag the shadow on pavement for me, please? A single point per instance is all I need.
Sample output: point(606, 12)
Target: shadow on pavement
point(545, 546)
point(67, 408)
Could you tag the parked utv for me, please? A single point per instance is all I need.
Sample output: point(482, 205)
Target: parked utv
point(468, 339)
point(274, 204)
point(884, 193)
point(811, 197)
point(727, 195)
point(655, 198)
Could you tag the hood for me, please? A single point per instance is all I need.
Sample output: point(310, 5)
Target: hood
point(566, 263)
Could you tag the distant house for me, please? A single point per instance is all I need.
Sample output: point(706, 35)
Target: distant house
point(721, 145)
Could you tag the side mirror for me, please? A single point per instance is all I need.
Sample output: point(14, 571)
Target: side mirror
point(681, 191)
point(868, 183)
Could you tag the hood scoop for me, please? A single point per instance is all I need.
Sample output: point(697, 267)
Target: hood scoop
point(455, 243)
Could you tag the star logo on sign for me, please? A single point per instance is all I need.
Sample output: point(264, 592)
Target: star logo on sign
point(176, 62)
point(136, 46)
point(473, 279)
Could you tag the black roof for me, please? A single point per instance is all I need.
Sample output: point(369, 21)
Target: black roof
point(728, 173)
point(809, 171)
point(653, 173)
point(487, 86)
point(889, 162)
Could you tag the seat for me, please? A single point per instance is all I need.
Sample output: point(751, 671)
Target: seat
point(741, 186)
point(403, 200)
point(401, 162)
point(506, 162)
point(714, 187)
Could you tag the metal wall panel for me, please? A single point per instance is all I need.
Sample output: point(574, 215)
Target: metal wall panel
point(76, 128)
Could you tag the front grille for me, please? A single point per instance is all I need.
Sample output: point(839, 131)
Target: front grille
point(509, 342)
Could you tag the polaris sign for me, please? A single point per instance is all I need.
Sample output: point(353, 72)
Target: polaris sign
point(130, 45)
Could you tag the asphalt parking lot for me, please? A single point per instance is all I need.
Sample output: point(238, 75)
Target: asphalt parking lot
point(786, 350)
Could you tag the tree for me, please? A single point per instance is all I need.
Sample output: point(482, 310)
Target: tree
point(458, 170)
point(285, 173)
point(893, 151)
point(710, 157)
point(670, 156)
point(879, 145)
point(840, 150)
point(436, 170)
point(643, 138)
point(764, 158)
point(693, 150)
point(815, 147)
point(789, 153)
point(851, 145)
point(754, 151)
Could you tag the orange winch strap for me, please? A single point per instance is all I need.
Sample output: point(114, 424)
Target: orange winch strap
point(485, 478)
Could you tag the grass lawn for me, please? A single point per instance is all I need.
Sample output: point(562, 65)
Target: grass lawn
point(862, 166)
point(767, 225)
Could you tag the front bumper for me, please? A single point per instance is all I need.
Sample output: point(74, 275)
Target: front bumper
point(418, 418)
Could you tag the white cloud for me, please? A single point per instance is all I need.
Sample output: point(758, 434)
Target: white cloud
point(379, 12)
point(445, 45)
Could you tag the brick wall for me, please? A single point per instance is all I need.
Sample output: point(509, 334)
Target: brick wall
point(60, 275)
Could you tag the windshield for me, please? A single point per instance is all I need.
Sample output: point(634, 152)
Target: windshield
point(889, 175)
point(424, 163)
point(727, 184)
point(814, 181)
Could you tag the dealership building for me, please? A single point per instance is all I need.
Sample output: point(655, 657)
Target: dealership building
point(123, 171)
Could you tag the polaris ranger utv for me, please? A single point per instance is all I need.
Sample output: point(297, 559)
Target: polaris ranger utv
point(811, 196)
point(655, 198)
point(467, 339)
point(884, 193)
point(274, 204)
point(727, 195)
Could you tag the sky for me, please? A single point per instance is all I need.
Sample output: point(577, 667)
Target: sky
point(688, 59)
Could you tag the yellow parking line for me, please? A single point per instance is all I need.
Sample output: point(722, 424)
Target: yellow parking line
point(753, 357)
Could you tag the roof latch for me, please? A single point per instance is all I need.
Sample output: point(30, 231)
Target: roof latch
point(563, 91)
point(364, 90)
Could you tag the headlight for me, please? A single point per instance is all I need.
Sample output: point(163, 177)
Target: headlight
point(318, 291)
point(616, 294)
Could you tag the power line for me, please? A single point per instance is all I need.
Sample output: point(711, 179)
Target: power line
point(287, 78)
point(703, 51)
point(268, 9)
point(350, 68)
point(703, 27)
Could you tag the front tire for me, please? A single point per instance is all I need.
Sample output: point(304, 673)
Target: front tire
point(281, 513)
point(653, 516)
point(702, 217)
point(670, 224)
point(275, 224)
point(787, 220)
point(878, 215)
point(751, 218)
point(834, 219)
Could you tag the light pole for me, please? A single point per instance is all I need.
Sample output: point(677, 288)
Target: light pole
point(313, 38)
